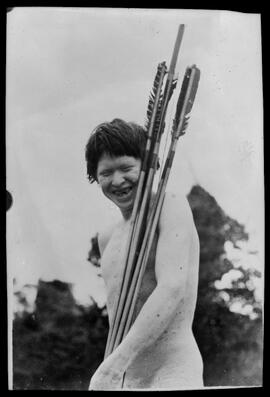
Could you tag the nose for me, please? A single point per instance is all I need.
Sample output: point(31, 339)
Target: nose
point(118, 178)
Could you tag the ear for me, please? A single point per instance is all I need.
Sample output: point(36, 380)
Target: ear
point(95, 179)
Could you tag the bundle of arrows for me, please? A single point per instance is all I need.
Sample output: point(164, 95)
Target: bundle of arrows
point(144, 218)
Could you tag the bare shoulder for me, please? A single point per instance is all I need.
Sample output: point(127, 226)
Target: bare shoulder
point(104, 236)
point(178, 241)
point(176, 212)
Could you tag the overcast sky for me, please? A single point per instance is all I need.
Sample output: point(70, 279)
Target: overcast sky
point(69, 69)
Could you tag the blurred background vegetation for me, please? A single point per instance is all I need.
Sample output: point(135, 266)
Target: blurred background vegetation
point(58, 343)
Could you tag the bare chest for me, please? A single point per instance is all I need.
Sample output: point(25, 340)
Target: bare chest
point(113, 264)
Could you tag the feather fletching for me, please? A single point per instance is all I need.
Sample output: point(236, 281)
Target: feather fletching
point(181, 98)
point(186, 99)
point(194, 88)
point(155, 98)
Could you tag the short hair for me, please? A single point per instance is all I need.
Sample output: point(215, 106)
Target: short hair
point(116, 138)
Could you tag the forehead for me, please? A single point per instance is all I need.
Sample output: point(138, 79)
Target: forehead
point(108, 161)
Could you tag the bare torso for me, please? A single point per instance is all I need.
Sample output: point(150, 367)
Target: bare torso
point(173, 361)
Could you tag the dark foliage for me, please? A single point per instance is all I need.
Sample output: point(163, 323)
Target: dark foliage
point(230, 343)
point(60, 344)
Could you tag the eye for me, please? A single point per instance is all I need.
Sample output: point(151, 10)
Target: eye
point(126, 168)
point(105, 173)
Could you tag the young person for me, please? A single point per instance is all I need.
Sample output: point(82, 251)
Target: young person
point(159, 351)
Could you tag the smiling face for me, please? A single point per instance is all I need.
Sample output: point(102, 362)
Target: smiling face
point(118, 178)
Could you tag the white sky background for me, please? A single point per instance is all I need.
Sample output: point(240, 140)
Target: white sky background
point(68, 69)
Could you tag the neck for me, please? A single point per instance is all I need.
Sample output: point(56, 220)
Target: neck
point(127, 214)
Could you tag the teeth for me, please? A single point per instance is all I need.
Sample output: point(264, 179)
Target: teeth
point(123, 192)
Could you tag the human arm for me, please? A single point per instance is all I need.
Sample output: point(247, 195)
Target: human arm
point(172, 261)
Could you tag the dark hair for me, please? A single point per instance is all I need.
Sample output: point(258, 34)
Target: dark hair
point(116, 138)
